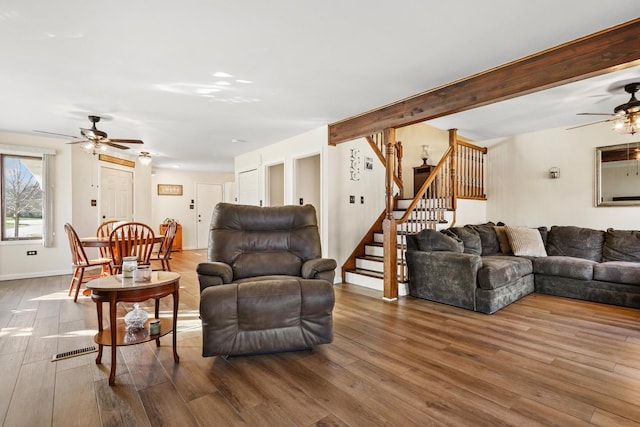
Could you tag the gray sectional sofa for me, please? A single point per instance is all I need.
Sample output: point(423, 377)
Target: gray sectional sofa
point(474, 267)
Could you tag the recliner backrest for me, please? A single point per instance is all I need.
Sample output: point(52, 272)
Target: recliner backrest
point(261, 241)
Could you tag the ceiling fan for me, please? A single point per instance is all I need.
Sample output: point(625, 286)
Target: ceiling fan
point(96, 139)
point(626, 117)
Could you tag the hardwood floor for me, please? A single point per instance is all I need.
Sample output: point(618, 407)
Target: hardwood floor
point(541, 361)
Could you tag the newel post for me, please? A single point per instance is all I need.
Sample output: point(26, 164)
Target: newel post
point(390, 246)
point(453, 143)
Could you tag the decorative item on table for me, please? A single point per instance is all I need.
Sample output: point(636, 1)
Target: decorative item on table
point(136, 318)
point(424, 154)
point(154, 327)
point(142, 274)
point(129, 265)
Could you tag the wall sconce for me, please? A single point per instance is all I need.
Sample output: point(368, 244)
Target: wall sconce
point(554, 172)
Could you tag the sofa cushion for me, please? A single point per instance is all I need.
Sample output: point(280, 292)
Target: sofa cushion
point(433, 240)
point(525, 241)
point(498, 271)
point(470, 238)
point(621, 245)
point(618, 272)
point(575, 242)
point(488, 237)
point(574, 268)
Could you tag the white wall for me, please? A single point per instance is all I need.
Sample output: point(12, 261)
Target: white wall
point(14, 262)
point(178, 207)
point(348, 222)
point(413, 138)
point(521, 193)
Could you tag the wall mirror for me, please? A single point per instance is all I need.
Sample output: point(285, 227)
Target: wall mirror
point(618, 175)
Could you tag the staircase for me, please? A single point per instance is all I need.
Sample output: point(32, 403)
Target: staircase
point(369, 268)
point(458, 174)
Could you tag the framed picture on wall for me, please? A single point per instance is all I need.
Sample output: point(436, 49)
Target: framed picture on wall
point(368, 163)
point(169, 190)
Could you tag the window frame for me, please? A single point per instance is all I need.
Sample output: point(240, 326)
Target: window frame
point(4, 237)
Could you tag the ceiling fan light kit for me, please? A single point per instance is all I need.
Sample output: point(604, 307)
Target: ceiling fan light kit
point(95, 140)
point(626, 117)
point(145, 158)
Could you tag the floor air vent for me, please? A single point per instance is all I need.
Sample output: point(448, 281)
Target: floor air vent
point(74, 353)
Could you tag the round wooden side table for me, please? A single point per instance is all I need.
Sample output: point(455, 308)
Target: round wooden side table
point(114, 289)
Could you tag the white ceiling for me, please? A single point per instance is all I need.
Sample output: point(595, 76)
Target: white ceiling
point(149, 66)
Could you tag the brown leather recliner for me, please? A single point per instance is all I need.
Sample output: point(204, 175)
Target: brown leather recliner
point(265, 287)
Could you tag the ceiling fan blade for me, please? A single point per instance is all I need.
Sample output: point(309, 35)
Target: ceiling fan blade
point(79, 141)
point(110, 143)
point(55, 133)
point(589, 124)
point(127, 141)
point(595, 114)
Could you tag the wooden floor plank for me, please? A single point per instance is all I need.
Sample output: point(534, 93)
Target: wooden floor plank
point(32, 400)
point(75, 401)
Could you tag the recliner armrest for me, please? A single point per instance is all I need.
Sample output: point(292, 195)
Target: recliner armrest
point(319, 268)
point(213, 273)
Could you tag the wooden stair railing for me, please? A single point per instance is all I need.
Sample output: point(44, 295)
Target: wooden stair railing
point(471, 170)
point(377, 145)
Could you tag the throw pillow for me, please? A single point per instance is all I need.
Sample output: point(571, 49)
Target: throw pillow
point(525, 241)
point(505, 247)
point(470, 238)
point(488, 237)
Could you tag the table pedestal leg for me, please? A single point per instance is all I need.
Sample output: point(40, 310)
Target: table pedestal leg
point(99, 309)
point(113, 326)
point(176, 359)
point(157, 312)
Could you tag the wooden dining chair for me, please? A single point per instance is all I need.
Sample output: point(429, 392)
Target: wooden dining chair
point(80, 261)
point(164, 252)
point(131, 239)
point(103, 232)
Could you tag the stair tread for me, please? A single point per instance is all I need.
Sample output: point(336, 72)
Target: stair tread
point(370, 273)
point(374, 258)
point(380, 244)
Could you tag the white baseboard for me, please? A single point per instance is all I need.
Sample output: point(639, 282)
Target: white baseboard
point(34, 274)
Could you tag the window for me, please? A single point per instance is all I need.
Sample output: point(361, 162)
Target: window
point(22, 197)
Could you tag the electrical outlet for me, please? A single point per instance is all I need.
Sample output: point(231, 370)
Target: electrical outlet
point(362, 200)
point(32, 252)
point(301, 201)
point(352, 199)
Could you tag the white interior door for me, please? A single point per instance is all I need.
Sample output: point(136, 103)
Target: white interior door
point(207, 197)
point(116, 195)
point(248, 188)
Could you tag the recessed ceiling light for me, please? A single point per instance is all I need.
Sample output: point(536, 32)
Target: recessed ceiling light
point(222, 75)
point(244, 81)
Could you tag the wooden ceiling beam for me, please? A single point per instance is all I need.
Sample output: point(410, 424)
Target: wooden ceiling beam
point(608, 50)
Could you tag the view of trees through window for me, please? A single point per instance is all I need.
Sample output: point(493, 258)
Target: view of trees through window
point(21, 197)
